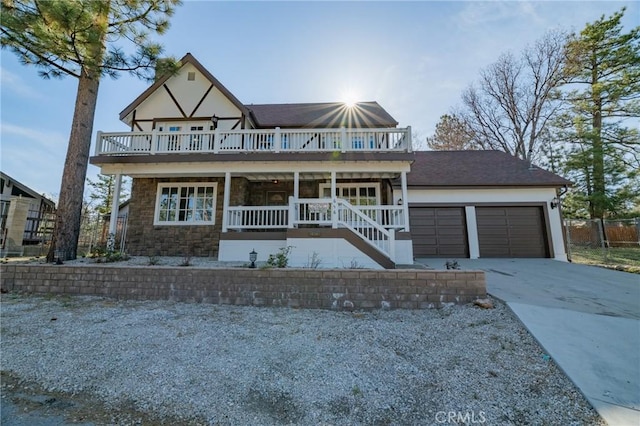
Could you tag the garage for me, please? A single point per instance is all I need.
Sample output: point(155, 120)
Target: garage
point(514, 231)
point(438, 232)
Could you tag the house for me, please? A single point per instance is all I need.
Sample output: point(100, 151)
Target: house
point(25, 217)
point(340, 185)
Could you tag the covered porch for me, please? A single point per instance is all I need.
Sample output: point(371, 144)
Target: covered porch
point(320, 214)
point(354, 213)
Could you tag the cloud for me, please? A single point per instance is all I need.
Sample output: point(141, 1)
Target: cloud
point(46, 139)
point(34, 157)
point(13, 82)
point(489, 12)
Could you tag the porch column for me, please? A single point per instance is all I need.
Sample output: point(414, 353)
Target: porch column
point(293, 200)
point(296, 185)
point(405, 200)
point(115, 209)
point(334, 201)
point(225, 202)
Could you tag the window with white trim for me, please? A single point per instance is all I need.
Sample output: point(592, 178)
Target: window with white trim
point(358, 194)
point(186, 203)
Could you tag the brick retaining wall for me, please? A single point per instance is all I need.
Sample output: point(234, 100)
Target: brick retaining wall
point(297, 288)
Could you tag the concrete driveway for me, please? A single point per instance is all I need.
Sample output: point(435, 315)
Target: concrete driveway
point(586, 318)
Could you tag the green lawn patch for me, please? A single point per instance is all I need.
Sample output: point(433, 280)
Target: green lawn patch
point(620, 258)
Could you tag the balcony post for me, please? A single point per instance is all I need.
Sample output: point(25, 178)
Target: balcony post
point(343, 138)
point(154, 141)
point(277, 143)
point(99, 148)
point(409, 148)
point(216, 141)
point(225, 202)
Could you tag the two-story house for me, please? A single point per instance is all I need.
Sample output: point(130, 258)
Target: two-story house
point(215, 177)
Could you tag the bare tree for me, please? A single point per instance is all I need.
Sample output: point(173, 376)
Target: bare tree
point(515, 98)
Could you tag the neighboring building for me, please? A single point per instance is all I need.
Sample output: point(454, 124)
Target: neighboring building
point(215, 177)
point(25, 216)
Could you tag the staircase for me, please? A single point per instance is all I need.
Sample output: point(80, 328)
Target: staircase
point(367, 229)
point(366, 234)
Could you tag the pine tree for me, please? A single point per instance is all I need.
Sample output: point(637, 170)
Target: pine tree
point(602, 155)
point(452, 133)
point(101, 195)
point(77, 38)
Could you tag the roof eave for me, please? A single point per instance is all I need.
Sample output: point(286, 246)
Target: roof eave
point(489, 186)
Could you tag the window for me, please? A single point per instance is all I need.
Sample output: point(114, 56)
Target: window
point(186, 203)
point(358, 194)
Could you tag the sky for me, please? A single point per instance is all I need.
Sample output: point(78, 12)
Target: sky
point(413, 58)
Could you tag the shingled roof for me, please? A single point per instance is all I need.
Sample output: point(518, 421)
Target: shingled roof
point(477, 168)
point(305, 115)
point(325, 115)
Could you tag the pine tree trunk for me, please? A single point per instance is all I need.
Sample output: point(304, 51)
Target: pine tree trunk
point(598, 198)
point(68, 215)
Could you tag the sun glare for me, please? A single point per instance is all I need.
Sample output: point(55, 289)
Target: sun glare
point(349, 98)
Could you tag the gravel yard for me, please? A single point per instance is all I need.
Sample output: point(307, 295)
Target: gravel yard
point(176, 363)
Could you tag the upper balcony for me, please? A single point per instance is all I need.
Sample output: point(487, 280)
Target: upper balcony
point(255, 140)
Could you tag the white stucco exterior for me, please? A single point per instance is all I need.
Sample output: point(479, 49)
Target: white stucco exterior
point(188, 94)
point(472, 197)
point(331, 252)
point(238, 251)
point(404, 252)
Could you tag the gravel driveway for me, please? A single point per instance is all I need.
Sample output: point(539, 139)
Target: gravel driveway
point(177, 363)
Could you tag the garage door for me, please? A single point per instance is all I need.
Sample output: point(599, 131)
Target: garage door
point(511, 232)
point(438, 232)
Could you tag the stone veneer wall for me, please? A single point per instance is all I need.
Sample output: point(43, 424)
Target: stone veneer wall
point(295, 288)
point(146, 239)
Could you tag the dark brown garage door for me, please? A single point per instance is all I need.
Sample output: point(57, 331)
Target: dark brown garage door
point(511, 232)
point(438, 232)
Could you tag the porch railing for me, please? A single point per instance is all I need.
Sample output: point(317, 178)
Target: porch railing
point(255, 140)
point(324, 212)
point(390, 217)
point(361, 224)
point(262, 217)
point(311, 212)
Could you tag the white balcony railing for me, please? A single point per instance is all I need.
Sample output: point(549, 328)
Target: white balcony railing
point(262, 140)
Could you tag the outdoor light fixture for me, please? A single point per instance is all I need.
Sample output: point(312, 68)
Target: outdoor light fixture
point(253, 256)
point(214, 120)
point(399, 201)
point(555, 202)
